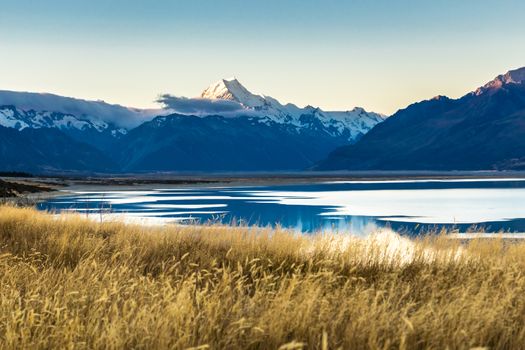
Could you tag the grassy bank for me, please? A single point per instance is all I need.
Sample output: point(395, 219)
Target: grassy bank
point(17, 188)
point(70, 283)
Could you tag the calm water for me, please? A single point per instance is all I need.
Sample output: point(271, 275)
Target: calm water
point(356, 206)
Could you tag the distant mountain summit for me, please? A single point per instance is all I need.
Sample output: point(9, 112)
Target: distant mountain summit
point(233, 90)
point(352, 124)
point(482, 130)
point(516, 76)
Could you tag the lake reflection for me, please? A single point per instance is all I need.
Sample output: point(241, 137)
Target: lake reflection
point(358, 207)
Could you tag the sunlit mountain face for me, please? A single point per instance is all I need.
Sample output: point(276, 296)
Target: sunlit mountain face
point(483, 130)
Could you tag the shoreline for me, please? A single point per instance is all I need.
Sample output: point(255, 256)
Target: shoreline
point(138, 181)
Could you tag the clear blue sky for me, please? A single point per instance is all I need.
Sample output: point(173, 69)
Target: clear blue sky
point(378, 54)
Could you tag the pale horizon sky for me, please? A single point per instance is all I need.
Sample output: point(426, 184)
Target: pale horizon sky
point(377, 54)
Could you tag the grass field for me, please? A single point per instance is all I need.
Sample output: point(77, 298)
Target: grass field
point(68, 283)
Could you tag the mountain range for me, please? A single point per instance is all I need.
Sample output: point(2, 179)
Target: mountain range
point(226, 128)
point(483, 130)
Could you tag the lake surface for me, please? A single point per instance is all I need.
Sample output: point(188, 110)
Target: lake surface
point(359, 207)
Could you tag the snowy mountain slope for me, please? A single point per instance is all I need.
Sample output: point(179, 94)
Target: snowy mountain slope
point(96, 123)
point(13, 117)
point(231, 89)
point(95, 111)
point(97, 133)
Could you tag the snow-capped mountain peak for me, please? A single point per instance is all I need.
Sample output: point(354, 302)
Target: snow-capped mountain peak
point(231, 89)
point(352, 123)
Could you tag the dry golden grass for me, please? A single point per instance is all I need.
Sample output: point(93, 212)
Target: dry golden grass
point(72, 284)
